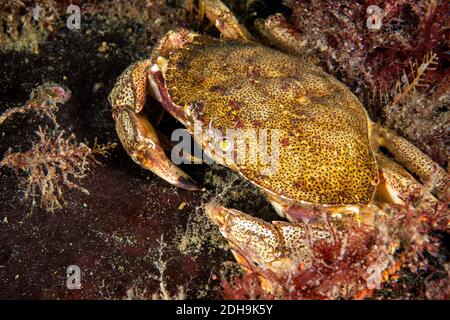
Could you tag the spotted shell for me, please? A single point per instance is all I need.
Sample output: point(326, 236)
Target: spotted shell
point(325, 156)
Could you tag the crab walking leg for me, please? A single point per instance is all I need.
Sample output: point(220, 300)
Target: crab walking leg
point(279, 33)
point(224, 20)
point(278, 247)
point(414, 160)
point(396, 184)
point(135, 132)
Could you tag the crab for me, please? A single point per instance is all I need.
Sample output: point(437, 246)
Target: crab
point(329, 172)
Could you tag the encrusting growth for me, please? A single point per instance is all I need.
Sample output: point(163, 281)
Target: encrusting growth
point(408, 84)
point(52, 163)
point(55, 161)
point(43, 100)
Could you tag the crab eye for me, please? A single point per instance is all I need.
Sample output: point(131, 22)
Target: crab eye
point(225, 144)
point(187, 109)
point(162, 63)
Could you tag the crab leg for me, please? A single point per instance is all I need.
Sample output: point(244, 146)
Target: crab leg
point(135, 132)
point(414, 160)
point(278, 251)
point(277, 247)
point(224, 20)
point(278, 32)
point(396, 184)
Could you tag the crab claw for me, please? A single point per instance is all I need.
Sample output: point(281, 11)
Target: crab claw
point(278, 247)
point(295, 256)
point(152, 157)
point(137, 135)
point(145, 149)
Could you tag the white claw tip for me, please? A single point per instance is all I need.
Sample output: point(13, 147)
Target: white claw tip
point(155, 68)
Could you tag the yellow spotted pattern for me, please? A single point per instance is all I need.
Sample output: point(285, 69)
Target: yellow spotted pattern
point(278, 245)
point(324, 152)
